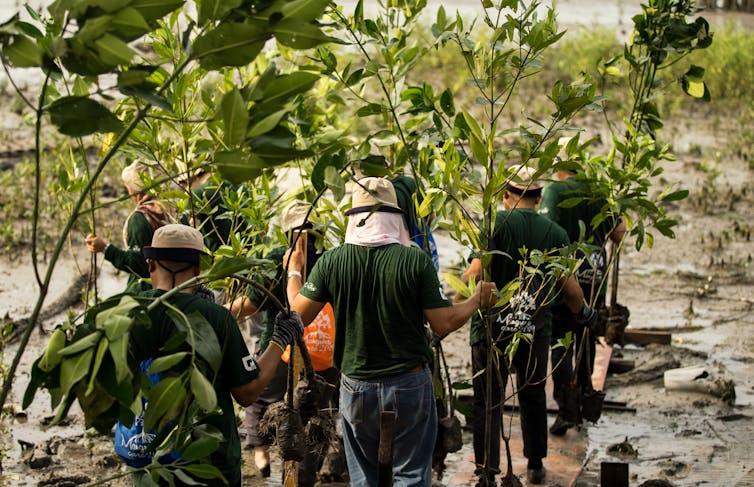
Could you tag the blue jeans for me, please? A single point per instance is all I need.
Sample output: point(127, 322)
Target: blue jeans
point(411, 396)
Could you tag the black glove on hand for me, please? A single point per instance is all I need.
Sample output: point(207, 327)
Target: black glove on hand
point(288, 329)
point(588, 317)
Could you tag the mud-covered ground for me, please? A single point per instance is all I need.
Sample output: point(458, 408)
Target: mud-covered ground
point(699, 286)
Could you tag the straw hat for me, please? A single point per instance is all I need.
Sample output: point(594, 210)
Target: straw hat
point(522, 180)
point(176, 242)
point(374, 194)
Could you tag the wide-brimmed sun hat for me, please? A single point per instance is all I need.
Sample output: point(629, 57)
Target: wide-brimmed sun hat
point(294, 215)
point(131, 176)
point(176, 242)
point(522, 181)
point(373, 194)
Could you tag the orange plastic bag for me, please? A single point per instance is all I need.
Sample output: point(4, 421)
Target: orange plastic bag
point(319, 337)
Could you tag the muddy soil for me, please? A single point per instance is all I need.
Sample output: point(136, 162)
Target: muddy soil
point(699, 286)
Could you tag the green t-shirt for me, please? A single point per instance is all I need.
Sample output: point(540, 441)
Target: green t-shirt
point(138, 235)
point(378, 296)
point(568, 218)
point(237, 368)
point(514, 230)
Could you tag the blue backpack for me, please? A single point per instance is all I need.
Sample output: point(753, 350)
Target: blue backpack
point(132, 442)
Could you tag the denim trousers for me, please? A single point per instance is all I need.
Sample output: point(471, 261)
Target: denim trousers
point(530, 364)
point(411, 397)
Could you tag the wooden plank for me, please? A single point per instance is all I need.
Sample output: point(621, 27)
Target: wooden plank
point(645, 337)
point(601, 364)
point(385, 451)
point(619, 365)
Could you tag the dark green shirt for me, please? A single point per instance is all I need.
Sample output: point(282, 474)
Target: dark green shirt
point(514, 230)
point(569, 218)
point(138, 235)
point(236, 368)
point(378, 296)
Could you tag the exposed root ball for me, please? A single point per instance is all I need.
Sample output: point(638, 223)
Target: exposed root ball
point(334, 467)
point(306, 397)
point(510, 480)
point(320, 431)
point(269, 422)
point(290, 438)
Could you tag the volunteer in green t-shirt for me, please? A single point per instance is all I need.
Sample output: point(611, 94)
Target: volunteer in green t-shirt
point(173, 258)
point(148, 215)
point(518, 227)
point(382, 290)
point(591, 274)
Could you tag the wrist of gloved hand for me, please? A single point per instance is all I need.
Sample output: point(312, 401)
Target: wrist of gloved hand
point(588, 316)
point(288, 329)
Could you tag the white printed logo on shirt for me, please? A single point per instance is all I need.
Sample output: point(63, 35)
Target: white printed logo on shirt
point(249, 363)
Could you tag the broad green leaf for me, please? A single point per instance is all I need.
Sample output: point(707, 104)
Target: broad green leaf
point(88, 341)
point(165, 400)
point(447, 104)
point(276, 90)
point(113, 50)
point(75, 368)
point(78, 116)
point(130, 23)
point(203, 471)
point(101, 349)
point(161, 364)
point(335, 183)
point(473, 126)
point(267, 123)
point(304, 10)
point(115, 321)
point(183, 476)
point(297, 35)
point(237, 166)
point(676, 195)
point(119, 352)
point(235, 118)
point(201, 336)
point(370, 109)
point(23, 52)
point(215, 9)
point(227, 266)
point(200, 449)
point(156, 9)
point(318, 172)
point(231, 44)
point(203, 391)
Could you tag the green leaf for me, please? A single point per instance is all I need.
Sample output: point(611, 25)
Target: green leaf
point(23, 52)
point(231, 44)
point(267, 123)
point(119, 352)
point(447, 104)
point(130, 23)
point(86, 342)
point(165, 400)
point(78, 116)
point(276, 90)
point(113, 50)
point(237, 166)
point(101, 349)
point(235, 117)
point(297, 35)
point(200, 449)
point(203, 391)
point(304, 10)
point(203, 471)
point(457, 284)
point(201, 336)
point(227, 266)
point(215, 9)
point(74, 369)
point(676, 195)
point(335, 183)
point(370, 109)
point(115, 321)
point(161, 364)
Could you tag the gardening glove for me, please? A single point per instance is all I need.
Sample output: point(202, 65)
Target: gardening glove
point(288, 329)
point(588, 317)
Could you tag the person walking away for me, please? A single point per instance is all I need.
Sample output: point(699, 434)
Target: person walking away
point(148, 215)
point(591, 275)
point(318, 337)
point(173, 259)
point(382, 290)
point(518, 227)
